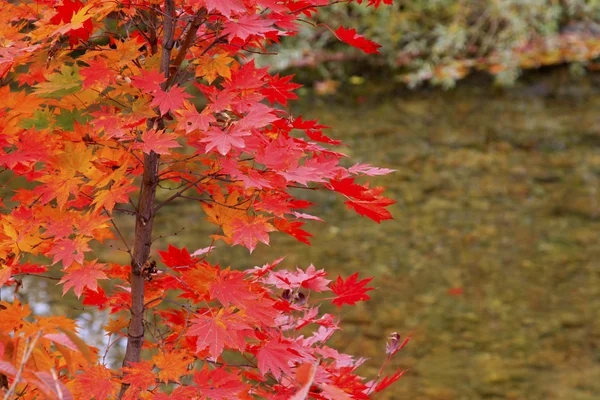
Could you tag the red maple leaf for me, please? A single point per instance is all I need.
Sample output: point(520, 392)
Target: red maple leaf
point(149, 81)
point(79, 277)
point(225, 7)
point(275, 356)
point(353, 39)
point(175, 257)
point(140, 374)
point(192, 120)
point(279, 89)
point(217, 331)
point(247, 25)
point(230, 288)
point(171, 100)
point(97, 73)
point(366, 202)
point(218, 384)
point(95, 297)
point(376, 3)
point(64, 13)
point(351, 290)
point(223, 141)
point(317, 135)
point(373, 208)
point(158, 142)
point(67, 250)
point(292, 228)
point(249, 232)
point(96, 382)
point(388, 380)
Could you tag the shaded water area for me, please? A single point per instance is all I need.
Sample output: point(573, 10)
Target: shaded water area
point(493, 259)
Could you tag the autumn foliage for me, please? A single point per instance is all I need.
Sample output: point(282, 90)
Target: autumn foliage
point(103, 106)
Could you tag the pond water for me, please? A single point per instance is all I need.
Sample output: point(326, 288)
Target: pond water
point(493, 259)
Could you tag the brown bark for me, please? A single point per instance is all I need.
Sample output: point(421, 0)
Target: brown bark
point(145, 217)
point(141, 252)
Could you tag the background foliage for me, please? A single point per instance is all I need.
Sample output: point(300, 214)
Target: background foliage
point(441, 41)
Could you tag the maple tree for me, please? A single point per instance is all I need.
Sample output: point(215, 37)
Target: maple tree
point(97, 115)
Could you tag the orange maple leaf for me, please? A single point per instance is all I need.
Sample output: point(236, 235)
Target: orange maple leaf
point(173, 365)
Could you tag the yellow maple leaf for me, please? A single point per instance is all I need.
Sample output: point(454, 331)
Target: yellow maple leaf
point(210, 68)
point(115, 325)
point(223, 212)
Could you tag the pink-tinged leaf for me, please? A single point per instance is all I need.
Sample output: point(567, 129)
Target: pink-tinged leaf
point(225, 7)
point(351, 290)
point(312, 279)
point(259, 116)
point(79, 277)
point(159, 142)
point(247, 25)
point(394, 345)
point(217, 331)
point(203, 251)
point(251, 177)
point(367, 169)
point(306, 216)
point(51, 387)
point(265, 269)
point(223, 141)
point(353, 39)
point(7, 368)
point(149, 81)
point(249, 232)
point(275, 357)
point(62, 339)
point(171, 100)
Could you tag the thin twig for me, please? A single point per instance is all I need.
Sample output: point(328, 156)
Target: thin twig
point(29, 347)
point(179, 193)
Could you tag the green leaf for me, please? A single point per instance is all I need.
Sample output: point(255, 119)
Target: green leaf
point(39, 121)
point(59, 85)
point(66, 119)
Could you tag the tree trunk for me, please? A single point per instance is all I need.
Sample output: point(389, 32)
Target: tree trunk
point(145, 217)
point(141, 252)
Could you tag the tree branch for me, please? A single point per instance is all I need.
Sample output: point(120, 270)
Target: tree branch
point(179, 193)
point(187, 43)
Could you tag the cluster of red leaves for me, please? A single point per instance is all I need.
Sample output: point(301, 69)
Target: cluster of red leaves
point(95, 93)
